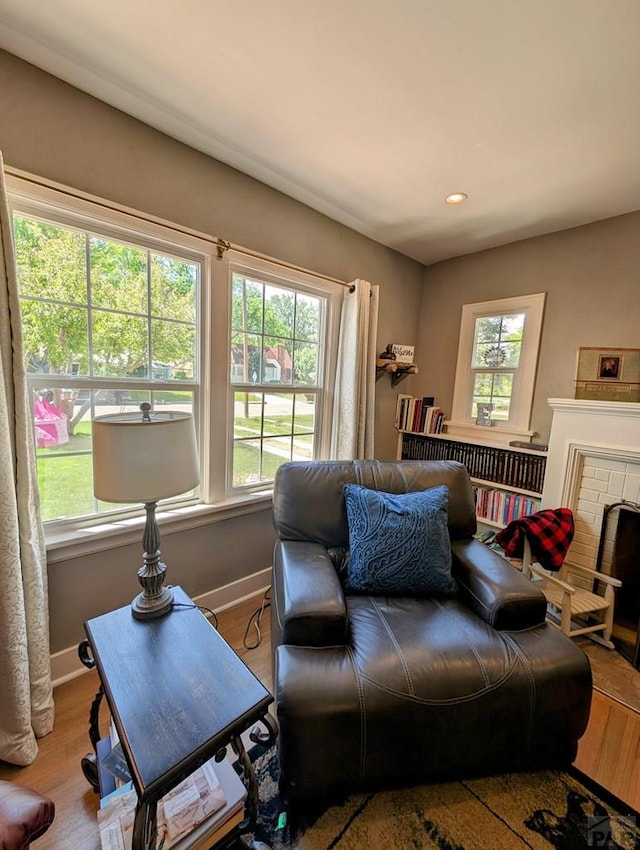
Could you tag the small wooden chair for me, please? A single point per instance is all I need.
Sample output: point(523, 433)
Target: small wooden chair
point(571, 606)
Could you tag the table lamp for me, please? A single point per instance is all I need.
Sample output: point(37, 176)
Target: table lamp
point(145, 458)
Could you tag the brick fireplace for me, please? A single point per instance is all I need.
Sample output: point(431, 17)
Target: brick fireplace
point(593, 462)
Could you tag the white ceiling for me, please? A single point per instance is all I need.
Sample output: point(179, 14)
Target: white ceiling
point(372, 111)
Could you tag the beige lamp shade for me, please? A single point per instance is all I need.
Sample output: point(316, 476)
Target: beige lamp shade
point(144, 461)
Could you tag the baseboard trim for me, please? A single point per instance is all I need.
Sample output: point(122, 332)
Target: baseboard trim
point(65, 665)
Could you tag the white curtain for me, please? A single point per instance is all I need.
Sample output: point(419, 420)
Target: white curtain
point(353, 412)
point(26, 698)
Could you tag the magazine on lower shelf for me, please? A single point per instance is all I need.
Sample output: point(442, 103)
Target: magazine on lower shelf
point(192, 816)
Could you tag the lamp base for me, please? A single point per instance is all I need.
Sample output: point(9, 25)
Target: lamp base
point(155, 600)
point(146, 607)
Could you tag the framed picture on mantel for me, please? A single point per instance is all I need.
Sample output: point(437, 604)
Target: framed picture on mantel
point(608, 374)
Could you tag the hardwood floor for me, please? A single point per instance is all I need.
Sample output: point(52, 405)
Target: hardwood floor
point(609, 751)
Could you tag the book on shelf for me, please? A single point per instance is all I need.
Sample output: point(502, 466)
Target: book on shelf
point(401, 405)
point(501, 506)
point(534, 447)
point(194, 815)
point(507, 467)
point(418, 415)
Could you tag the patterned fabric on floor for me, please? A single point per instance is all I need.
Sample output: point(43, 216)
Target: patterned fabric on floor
point(536, 811)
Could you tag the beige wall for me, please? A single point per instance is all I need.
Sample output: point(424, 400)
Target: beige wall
point(591, 275)
point(53, 130)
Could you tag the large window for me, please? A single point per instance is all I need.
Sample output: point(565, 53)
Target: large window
point(278, 363)
point(118, 310)
point(497, 358)
point(107, 325)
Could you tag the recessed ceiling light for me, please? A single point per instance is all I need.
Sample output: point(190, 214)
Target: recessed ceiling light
point(456, 198)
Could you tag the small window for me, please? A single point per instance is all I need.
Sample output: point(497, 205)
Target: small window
point(497, 346)
point(497, 358)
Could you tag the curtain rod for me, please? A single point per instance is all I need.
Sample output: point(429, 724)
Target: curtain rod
point(221, 244)
point(256, 255)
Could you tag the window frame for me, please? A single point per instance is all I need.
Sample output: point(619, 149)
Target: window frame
point(271, 273)
point(517, 426)
point(215, 500)
point(63, 207)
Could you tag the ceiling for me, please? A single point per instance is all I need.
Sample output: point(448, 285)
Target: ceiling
point(372, 111)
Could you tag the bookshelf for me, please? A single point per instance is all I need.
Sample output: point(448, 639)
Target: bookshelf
point(507, 480)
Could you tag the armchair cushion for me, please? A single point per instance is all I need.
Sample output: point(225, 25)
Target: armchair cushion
point(399, 542)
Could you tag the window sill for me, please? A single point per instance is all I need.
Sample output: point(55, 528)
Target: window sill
point(73, 543)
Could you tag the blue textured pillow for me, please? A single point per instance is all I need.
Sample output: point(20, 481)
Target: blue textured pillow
point(399, 542)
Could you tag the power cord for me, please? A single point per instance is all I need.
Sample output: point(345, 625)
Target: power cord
point(254, 620)
point(209, 611)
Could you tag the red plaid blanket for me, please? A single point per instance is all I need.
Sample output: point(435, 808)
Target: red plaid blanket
point(549, 533)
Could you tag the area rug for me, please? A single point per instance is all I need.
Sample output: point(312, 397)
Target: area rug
point(548, 809)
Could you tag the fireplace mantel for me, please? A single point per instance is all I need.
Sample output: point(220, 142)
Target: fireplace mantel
point(606, 431)
point(579, 406)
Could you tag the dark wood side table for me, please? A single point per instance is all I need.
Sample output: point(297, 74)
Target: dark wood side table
point(178, 695)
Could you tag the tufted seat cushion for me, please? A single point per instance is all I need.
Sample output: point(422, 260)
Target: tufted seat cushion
point(24, 815)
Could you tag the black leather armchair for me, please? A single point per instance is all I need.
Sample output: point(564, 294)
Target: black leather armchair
point(373, 691)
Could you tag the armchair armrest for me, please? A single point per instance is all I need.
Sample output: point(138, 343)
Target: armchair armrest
point(308, 596)
point(495, 590)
